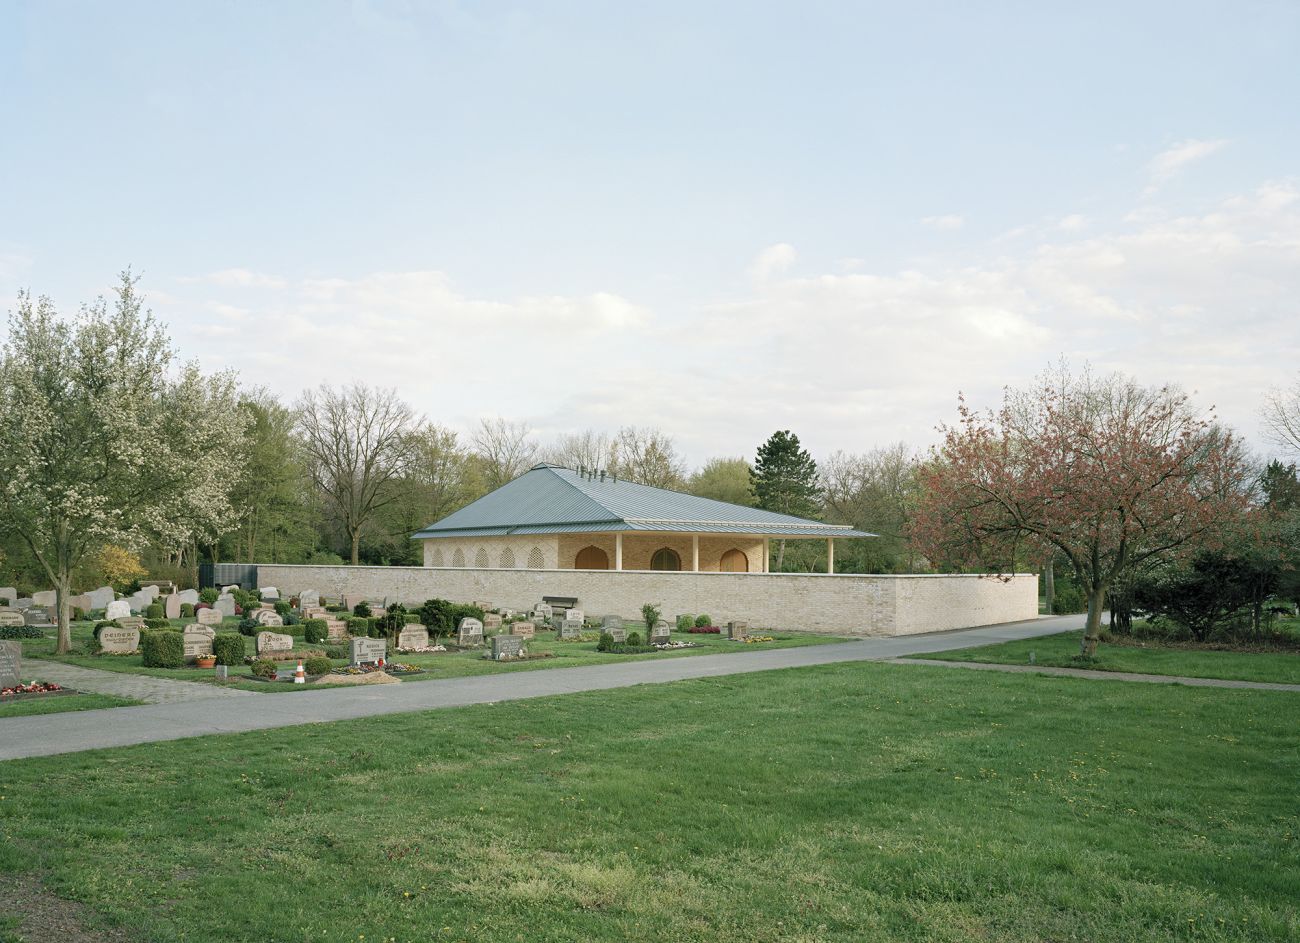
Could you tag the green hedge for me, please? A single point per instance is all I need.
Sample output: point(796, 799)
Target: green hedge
point(155, 610)
point(317, 666)
point(8, 632)
point(314, 630)
point(163, 649)
point(187, 610)
point(229, 648)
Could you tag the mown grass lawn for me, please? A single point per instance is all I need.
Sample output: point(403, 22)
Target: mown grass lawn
point(452, 664)
point(845, 803)
point(46, 704)
point(1060, 651)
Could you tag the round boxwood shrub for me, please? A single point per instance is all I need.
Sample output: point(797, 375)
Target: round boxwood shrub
point(249, 627)
point(155, 610)
point(634, 639)
point(702, 621)
point(314, 631)
point(336, 651)
point(685, 622)
point(282, 607)
point(208, 595)
point(318, 666)
point(187, 610)
point(229, 648)
point(163, 649)
point(606, 642)
point(264, 668)
point(361, 609)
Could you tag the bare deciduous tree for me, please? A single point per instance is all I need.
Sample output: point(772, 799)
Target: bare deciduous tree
point(586, 449)
point(875, 491)
point(505, 450)
point(1282, 416)
point(355, 439)
point(648, 457)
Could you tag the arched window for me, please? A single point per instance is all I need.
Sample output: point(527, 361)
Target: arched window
point(435, 557)
point(535, 559)
point(507, 561)
point(665, 559)
point(458, 558)
point(481, 559)
point(591, 558)
point(734, 561)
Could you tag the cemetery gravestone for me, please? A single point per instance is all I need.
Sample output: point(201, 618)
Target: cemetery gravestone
point(485, 606)
point(576, 615)
point(335, 630)
point(469, 632)
point(413, 636)
point(197, 640)
point(21, 603)
point(172, 607)
point(38, 615)
point(151, 590)
point(11, 664)
point(308, 599)
point(208, 616)
point(611, 622)
point(491, 621)
point(659, 632)
point(7, 595)
point(270, 593)
point(131, 622)
point(227, 590)
point(82, 602)
point(118, 641)
point(567, 629)
point(274, 642)
point(738, 630)
point(617, 633)
point(268, 617)
point(523, 629)
point(45, 599)
point(225, 605)
point(369, 650)
point(506, 646)
point(352, 600)
point(188, 596)
point(117, 609)
point(543, 613)
point(11, 617)
point(100, 598)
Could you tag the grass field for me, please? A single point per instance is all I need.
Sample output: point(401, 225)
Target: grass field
point(58, 705)
point(846, 803)
point(444, 665)
point(1059, 651)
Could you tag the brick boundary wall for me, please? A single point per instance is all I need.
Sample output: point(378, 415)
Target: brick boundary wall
point(831, 604)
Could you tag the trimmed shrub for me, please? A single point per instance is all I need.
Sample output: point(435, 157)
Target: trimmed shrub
point(314, 630)
point(702, 621)
point(157, 624)
point(293, 619)
point(187, 610)
point(357, 625)
point(77, 614)
point(10, 632)
point(281, 608)
point(249, 627)
point(155, 610)
point(264, 668)
point(650, 615)
point(375, 628)
point(318, 666)
point(685, 622)
point(606, 643)
point(411, 618)
point(229, 648)
point(362, 609)
point(634, 640)
point(435, 615)
point(208, 595)
point(336, 651)
point(163, 649)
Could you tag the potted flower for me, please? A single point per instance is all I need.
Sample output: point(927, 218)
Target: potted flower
point(205, 661)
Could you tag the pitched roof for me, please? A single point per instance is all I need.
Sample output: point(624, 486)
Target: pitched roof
point(548, 499)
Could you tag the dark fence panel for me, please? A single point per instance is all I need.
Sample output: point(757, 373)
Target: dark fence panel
point(243, 575)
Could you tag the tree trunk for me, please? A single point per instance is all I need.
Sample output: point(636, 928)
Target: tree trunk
point(780, 555)
point(1049, 587)
point(62, 595)
point(1092, 629)
point(356, 546)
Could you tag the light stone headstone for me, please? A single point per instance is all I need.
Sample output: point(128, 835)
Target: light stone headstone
point(38, 615)
point(45, 599)
point(737, 630)
point(100, 598)
point(660, 632)
point(336, 630)
point(227, 590)
point(268, 617)
point(491, 621)
point(543, 613)
point(413, 636)
point(611, 622)
point(139, 601)
point(208, 616)
point(482, 604)
point(117, 640)
point(469, 632)
point(523, 629)
point(617, 633)
point(197, 640)
point(308, 599)
point(82, 602)
point(132, 622)
point(368, 650)
point(172, 606)
point(151, 590)
point(274, 642)
point(188, 596)
point(225, 605)
point(11, 664)
point(7, 595)
point(11, 617)
point(566, 629)
point(270, 593)
point(117, 609)
point(352, 600)
point(575, 615)
point(506, 646)
point(21, 603)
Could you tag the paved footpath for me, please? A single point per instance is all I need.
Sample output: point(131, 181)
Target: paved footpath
point(1102, 675)
point(145, 688)
point(47, 734)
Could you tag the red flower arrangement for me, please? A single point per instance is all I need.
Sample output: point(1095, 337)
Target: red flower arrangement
point(704, 630)
point(34, 687)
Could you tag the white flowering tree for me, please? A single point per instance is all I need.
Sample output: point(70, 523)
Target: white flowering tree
point(103, 439)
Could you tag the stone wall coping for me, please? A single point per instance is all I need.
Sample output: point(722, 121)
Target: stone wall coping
point(669, 573)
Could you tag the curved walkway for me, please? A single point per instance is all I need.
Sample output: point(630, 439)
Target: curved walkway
point(145, 688)
point(47, 734)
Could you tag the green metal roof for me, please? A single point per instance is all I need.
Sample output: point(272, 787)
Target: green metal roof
point(549, 499)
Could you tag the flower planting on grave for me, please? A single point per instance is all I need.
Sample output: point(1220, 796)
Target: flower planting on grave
point(670, 646)
point(32, 687)
point(752, 639)
point(703, 630)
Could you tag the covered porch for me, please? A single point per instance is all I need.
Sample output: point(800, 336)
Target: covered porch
point(669, 551)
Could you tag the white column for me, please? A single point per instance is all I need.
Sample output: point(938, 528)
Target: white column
point(695, 553)
point(618, 550)
point(767, 554)
point(830, 554)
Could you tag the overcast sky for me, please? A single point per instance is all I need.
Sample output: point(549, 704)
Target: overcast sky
point(718, 219)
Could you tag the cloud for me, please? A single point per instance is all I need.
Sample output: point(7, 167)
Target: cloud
point(947, 223)
point(772, 261)
point(1170, 162)
point(237, 278)
point(1072, 223)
